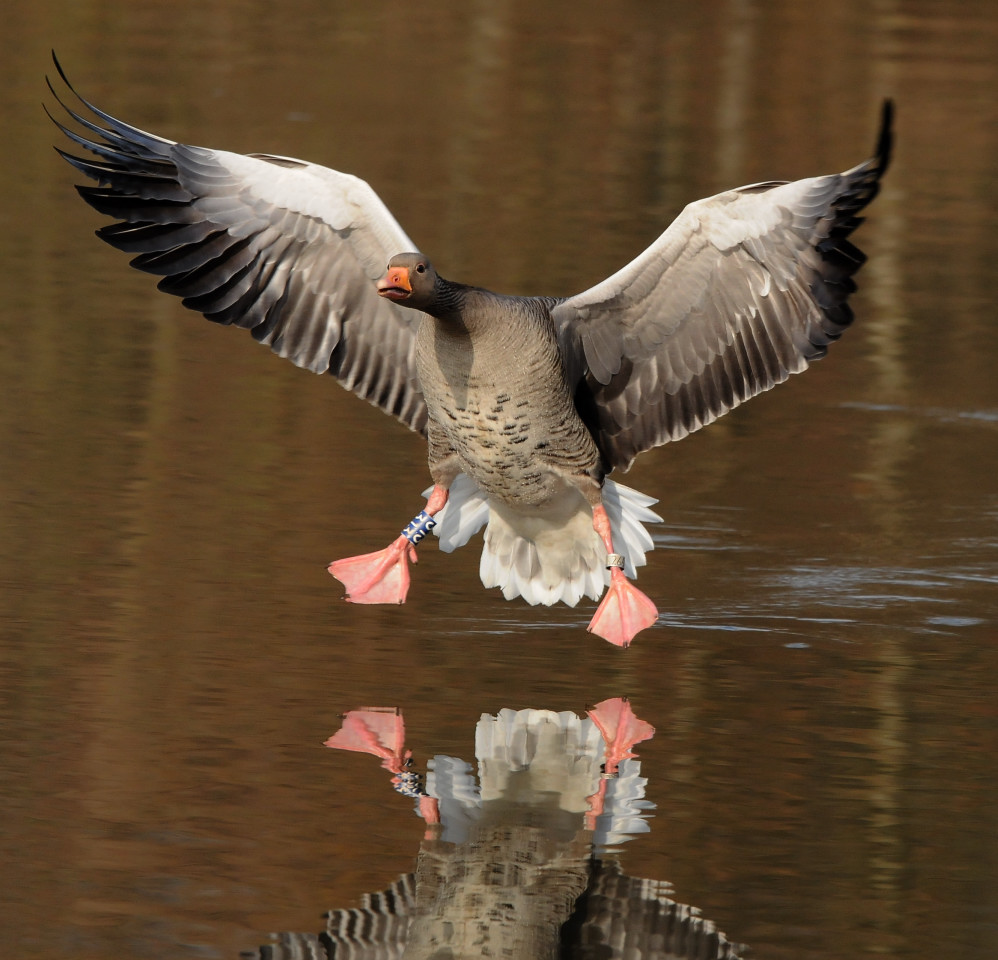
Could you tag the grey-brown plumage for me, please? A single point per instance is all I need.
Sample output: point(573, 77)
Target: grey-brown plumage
point(616, 917)
point(500, 407)
point(536, 399)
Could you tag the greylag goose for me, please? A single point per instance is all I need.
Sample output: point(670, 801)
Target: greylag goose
point(527, 403)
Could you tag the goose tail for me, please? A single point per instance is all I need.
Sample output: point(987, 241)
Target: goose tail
point(547, 554)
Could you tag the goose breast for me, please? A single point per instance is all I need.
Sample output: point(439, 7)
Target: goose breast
point(499, 403)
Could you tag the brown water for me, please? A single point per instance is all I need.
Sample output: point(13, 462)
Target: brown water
point(172, 651)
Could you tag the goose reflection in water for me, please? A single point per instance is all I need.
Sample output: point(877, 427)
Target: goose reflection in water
point(514, 864)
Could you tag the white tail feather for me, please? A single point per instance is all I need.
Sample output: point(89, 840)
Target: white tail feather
point(535, 756)
point(551, 553)
point(554, 753)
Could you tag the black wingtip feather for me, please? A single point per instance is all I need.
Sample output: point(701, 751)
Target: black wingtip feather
point(885, 139)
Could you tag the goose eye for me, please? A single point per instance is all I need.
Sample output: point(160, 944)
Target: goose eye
point(420, 268)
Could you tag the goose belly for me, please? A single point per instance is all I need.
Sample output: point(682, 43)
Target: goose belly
point(500, 402)
point(510, 455)
point(520, 448)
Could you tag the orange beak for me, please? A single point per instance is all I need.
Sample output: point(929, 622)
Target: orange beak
point(395, 285)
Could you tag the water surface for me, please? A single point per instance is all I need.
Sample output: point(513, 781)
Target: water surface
point(172, 651)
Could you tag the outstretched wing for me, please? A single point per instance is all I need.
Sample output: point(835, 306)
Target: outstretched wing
point(742, 290)
point(286, 249)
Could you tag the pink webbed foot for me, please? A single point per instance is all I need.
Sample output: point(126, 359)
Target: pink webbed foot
point(381, 577)
point(620, 729)
point(379, 731)
point(623, 613)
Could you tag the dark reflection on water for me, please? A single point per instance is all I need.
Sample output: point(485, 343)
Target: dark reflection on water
point(516, 861)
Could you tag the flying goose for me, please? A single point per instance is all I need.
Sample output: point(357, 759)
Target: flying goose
point(527, 403)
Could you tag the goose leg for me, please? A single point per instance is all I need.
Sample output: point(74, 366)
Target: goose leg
point(383, 576)
point(625, 611)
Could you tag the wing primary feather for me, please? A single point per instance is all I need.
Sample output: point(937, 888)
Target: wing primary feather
point(154, 237)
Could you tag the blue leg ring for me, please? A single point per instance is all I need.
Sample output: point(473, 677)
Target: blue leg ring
point(419, 527)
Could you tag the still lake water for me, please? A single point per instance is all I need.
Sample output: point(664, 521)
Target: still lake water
point(822, 682)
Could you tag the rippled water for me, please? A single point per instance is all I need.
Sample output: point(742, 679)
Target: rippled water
point(172, 652)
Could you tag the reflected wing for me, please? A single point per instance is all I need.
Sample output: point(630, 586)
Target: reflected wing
point(618, 917)
point(376, 930)
point(626, 918)
point(742, 290)
point(286, 249)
